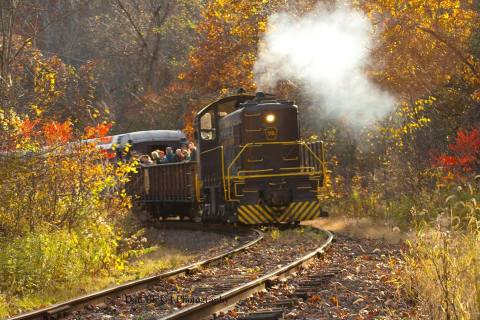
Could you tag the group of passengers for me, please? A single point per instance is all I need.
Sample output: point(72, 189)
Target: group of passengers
point(185, 153)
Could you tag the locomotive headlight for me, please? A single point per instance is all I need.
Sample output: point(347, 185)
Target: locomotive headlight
point(270, 118)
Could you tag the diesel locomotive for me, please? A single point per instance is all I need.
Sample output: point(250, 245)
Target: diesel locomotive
point(252, 167)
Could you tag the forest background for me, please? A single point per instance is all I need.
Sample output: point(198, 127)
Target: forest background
point(72, 69)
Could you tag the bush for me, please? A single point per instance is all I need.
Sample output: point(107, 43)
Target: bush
point(62, 210)
point(442, 264)
point(3, 306)
point(45, 260)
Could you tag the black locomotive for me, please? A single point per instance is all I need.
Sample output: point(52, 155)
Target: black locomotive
point(251, 167)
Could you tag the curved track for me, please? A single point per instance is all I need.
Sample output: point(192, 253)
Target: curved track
point(229, 298)
point(58, 310)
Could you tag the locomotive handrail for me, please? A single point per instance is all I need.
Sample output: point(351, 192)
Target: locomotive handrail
point(256, 176)
point(297, 168)
point(302, 170)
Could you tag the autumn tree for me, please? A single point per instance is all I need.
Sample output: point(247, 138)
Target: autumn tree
point(36, 84)
point(423, 44)
point(228, 36)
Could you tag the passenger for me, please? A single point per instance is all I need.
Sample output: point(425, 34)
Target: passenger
point(193, 151)
point(170, 156)
point(134, 155)
point(145, 160)
point(161, 157)
point(155, 155)
point(186, 154)
point(178, 156)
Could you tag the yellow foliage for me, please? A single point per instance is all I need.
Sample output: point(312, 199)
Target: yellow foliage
point(230, 31)
point(413, 118)
point(423, 43)
point(442, 264)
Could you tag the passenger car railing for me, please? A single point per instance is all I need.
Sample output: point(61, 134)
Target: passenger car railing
point(169, 182)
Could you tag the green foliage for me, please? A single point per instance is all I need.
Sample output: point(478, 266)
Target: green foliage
point(61, 215)
point(3, 306)
point(64, 186)
point(47, 259)
point(274, 233)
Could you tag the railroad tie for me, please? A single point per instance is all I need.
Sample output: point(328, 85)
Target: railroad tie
point(310, 286)
point(274, 314)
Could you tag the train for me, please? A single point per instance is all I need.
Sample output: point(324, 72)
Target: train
point(251, 167)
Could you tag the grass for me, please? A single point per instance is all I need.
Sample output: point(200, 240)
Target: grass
point(298, 233)
point(441, 274)
point(158, 259)
point(440, 269)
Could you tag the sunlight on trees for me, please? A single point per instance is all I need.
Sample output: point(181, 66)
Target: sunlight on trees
point(74, 69)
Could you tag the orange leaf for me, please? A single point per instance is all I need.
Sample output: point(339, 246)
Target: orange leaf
point(27, 127)
point(97, 131)
point(232, 313)
point(334, 300)
point(56, 132)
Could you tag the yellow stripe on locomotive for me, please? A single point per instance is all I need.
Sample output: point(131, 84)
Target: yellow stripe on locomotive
point(294, 212)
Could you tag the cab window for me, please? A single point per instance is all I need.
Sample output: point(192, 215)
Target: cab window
point(207, 126)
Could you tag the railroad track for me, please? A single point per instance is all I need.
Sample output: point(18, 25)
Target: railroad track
point(205, 291)
point(199, 290)
point(226, 300)
point(59, 310)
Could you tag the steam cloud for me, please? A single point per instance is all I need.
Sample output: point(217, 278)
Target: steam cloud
point(326, 52)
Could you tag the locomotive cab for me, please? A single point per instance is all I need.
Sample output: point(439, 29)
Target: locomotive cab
point(255, 169)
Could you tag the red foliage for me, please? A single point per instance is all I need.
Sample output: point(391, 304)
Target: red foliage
point(107, 154)
point(27, 126)
point(56, 132)
point(465, 152)
point(447, 161)
point(98, 131)
point(466, 143)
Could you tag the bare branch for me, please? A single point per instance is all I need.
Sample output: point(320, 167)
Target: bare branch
point(24, 44)
point(130, 19)
point(454, 49)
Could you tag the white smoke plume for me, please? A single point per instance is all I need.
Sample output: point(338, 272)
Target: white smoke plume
point(326, 52)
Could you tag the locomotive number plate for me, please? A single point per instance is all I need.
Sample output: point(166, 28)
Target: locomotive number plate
point(271, 133)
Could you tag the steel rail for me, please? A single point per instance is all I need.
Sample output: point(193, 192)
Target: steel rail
point(231, 297)
point(55, 311)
